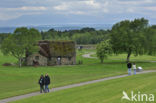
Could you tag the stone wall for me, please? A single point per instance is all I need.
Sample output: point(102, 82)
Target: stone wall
point(63, 61)
point(52, 61)
point(41, 60)
point(86, 46)
point(68, 61)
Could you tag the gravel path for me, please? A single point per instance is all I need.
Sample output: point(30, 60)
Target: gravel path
point(68, 86)
point(88, 55)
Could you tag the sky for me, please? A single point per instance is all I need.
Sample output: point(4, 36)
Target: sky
point(49, 12)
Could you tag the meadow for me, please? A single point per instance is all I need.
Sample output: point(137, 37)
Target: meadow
point(16, 81)
point(103, 92)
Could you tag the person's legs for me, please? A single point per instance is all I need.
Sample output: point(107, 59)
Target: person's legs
point(47, 88)
point(129, 71)
point(41, 89)
point(134, 71)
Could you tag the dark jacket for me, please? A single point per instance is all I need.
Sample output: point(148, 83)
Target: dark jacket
point(41, 81)
point(46, 80)
point(129, 65)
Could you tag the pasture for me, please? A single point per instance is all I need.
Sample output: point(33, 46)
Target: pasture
point(103, 92)
point(16, 81)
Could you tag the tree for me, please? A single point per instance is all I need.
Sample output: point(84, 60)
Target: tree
point(21, 41)
point(82, 38)
point(128, 36)
point(103, 50)
point(3, 36)
point(150, 43)
point(87, 29)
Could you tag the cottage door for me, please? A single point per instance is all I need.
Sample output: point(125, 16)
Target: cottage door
point(59, 60)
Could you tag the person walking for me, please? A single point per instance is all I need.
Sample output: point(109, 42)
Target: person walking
point(134, 68)
point(41, 83)
point(47, 82)
point(129, 66)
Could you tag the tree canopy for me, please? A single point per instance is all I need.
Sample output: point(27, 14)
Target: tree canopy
point(21, 41)
point(103, 50)
point(150, 43)
point(129, 37)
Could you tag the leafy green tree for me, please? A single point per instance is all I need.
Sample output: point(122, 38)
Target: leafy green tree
point(150, 43)
point(3, 36)
point(103, 50)
point(82, 38)
point(21, 41)
point(128, 37)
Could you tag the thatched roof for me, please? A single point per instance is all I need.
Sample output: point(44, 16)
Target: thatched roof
point(57, 48)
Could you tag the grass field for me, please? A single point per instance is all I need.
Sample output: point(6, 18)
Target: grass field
point(103, 92)
point(123, 57)
point(16, 81)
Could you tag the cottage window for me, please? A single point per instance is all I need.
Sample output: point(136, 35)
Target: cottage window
point(69, 58)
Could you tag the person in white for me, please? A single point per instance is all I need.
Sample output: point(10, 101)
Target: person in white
point(134, 68)
point(59, 60)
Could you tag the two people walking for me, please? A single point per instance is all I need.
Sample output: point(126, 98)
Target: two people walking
point(44, 81)
point(130, 66)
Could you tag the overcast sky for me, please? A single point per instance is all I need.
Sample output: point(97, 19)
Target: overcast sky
point(47, 12)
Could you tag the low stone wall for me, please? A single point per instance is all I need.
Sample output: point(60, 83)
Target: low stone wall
point(86, 46)
point(41, 60)
point(52, 61)
point(68, 61)
point(63, 61)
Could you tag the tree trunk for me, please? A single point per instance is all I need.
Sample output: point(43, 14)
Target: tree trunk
point(128, 57)
point(20, 62)
point(101, 60)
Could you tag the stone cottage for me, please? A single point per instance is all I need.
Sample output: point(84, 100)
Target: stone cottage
point(53, 53)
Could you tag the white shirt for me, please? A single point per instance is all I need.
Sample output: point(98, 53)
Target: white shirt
point(134, 66)
point(58, 59)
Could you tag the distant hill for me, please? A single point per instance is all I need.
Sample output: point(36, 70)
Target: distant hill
point(59, 27)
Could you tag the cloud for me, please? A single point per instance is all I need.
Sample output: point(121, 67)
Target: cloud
point(151, 8)
point(25, 8)
point(103, 9)
point(92, 3)
point(81, 7)
point(135, 2)
point(4, 16)
point(61, 7)
point(13, 13)
point(32, 8)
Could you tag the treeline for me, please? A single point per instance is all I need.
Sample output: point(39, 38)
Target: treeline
point(83, 36)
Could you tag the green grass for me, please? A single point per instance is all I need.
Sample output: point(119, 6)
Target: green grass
point(103, 92)
point(123, 57)
point(16, 81)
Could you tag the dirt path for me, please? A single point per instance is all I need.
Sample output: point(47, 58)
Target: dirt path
point(68, 86)
point(89, 55)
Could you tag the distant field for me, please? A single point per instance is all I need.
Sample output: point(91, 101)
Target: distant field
point(16, 81)
point(122, 57)
point(102, 92)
